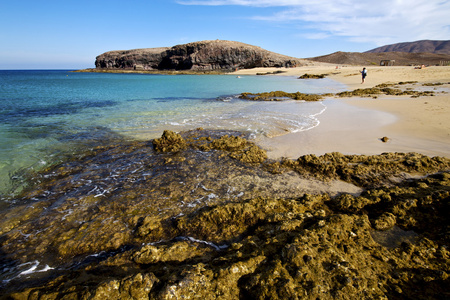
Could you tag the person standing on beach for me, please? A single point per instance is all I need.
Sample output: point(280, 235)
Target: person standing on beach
point(363, 75)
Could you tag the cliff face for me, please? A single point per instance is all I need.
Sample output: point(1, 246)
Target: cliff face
point(130, 59)
point(205, 55)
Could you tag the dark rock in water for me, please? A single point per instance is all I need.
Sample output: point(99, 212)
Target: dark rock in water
point(312, 76)
point(280, 95)
point(384, 139)
point(197, 56)
point(216, 219)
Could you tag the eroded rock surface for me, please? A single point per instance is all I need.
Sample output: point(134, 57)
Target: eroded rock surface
point(128, 222)
point(204, 55)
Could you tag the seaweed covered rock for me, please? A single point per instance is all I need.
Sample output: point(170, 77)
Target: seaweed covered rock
point(200, 223)
point(169, 142)
point(385, 221)
point(252, 154)
point(239, 148)
point(279, 96)
point(285, 248)
point(385, 89)
point(365, 170)
point(312, 76)
point(228, 143)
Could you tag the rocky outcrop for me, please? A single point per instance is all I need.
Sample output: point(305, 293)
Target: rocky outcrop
point(197, 56)
point(189, 216)
point(131, 59)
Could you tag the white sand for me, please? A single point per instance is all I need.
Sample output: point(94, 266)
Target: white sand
point(355, 125)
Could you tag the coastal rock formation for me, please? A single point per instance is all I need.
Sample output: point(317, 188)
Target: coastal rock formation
point(134, 220)
point(131, 59)
point(197, 56)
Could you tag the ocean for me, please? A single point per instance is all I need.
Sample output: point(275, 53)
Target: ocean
point(47, 115)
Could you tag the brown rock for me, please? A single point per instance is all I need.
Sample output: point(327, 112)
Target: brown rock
point(169, 142)
point(197, 56)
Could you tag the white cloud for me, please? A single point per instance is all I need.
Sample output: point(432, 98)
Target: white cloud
point(377, 21)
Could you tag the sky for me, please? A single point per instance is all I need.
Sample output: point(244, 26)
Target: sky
point(69, 34)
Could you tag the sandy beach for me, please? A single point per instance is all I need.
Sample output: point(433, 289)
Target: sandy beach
point(205, 213)
point(356, 125)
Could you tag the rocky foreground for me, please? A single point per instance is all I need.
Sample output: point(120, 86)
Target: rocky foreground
point(198, 56)
point(207, 215)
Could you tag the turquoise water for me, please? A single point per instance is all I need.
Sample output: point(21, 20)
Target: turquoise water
point(45, 114)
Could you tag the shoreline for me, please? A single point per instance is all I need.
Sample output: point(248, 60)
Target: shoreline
point(356, 125)
point(205, 213)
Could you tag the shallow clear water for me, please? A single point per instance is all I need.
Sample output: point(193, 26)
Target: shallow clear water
point(46, 113)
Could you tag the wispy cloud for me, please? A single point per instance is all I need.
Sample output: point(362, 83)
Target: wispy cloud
point(377, 21)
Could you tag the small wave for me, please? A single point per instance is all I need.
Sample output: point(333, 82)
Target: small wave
point(194, 240)
point(316, 120)
point(228, 98)
point(25, 269)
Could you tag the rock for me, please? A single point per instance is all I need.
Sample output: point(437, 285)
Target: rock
point(132, 287)
point(120, 223)
point(169, 142)
point(385, 221)
point(146, 59)
point(179, 251)
point(253, 154)
point(312, 76)
point(384, 139)
point(197, 56)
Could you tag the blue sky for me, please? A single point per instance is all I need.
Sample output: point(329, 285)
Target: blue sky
point(69, 34)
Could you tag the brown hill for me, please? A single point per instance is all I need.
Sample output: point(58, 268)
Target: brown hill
point(439, 47)
point(198, 56)
point(401, 58)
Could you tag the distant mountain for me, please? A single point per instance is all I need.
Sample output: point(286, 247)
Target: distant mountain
point(197, 56)
point(367, 59)
point(425, 46)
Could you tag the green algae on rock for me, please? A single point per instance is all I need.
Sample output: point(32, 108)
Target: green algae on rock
point(312, 76)
point(385, 89)
point(130, 222)
point(280, 95)
point(169, 142)
point(381, 89)
point(364, 170)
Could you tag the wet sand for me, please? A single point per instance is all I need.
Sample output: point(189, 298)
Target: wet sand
point(356, 125)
